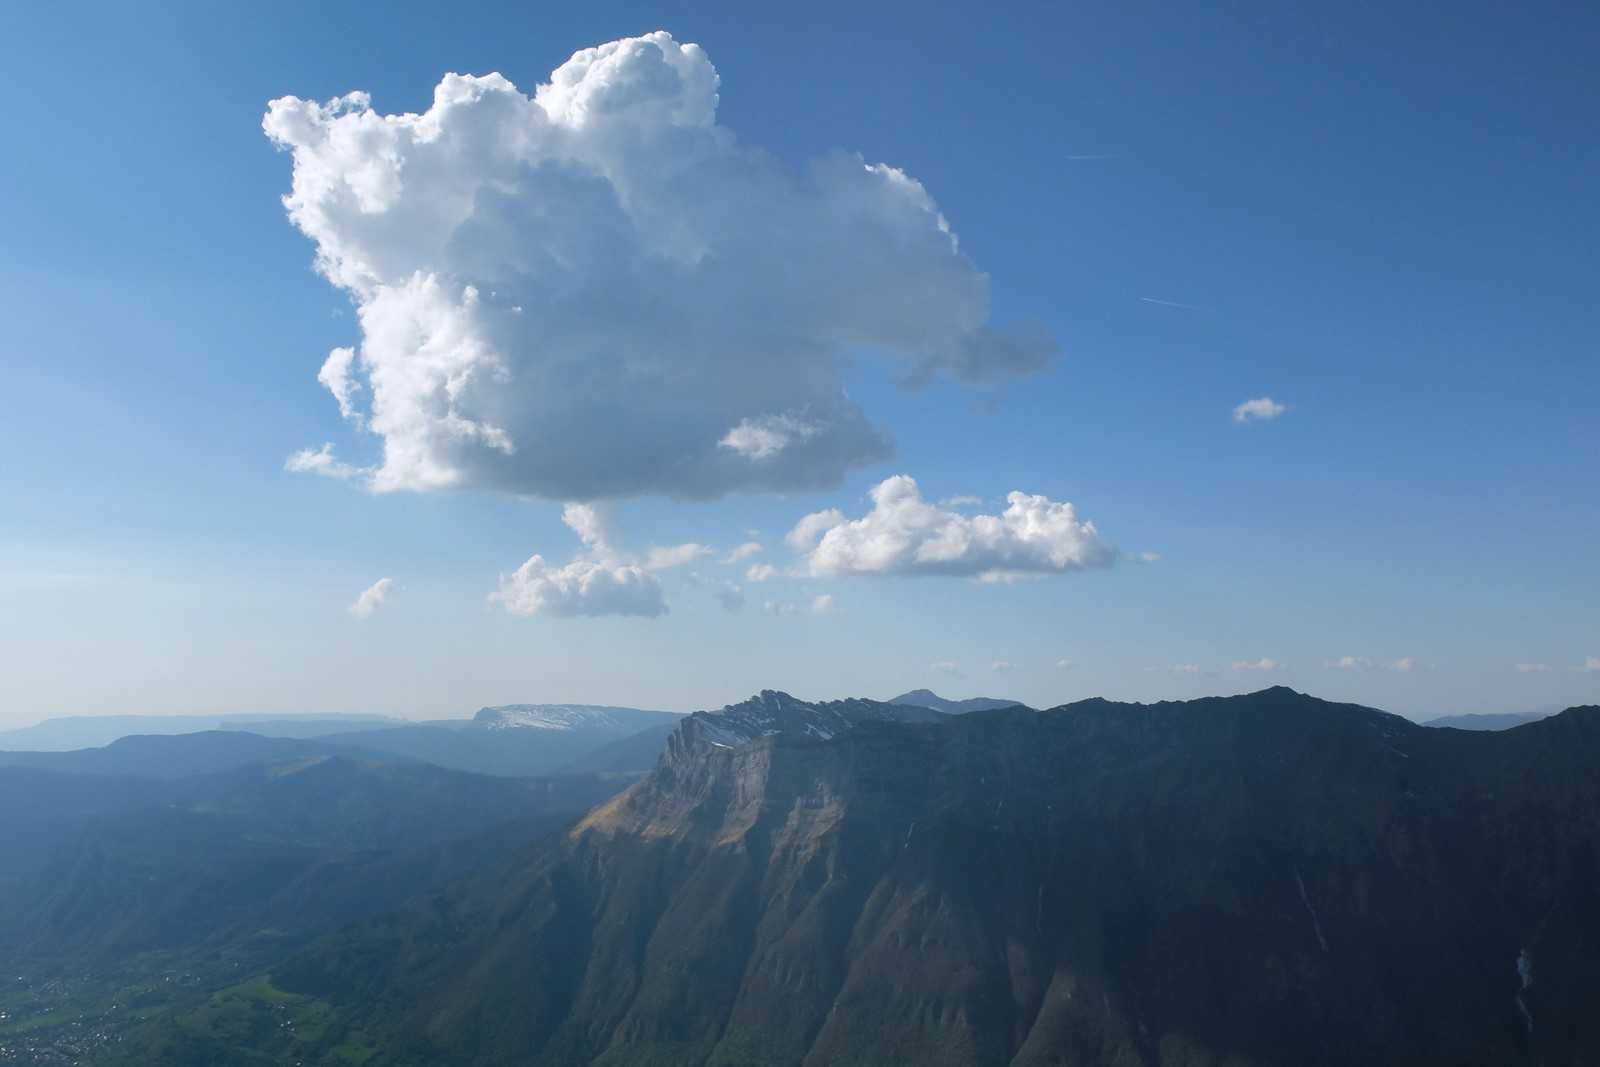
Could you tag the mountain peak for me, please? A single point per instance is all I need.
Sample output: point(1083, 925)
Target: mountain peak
point(927, 698)
point(772, 712)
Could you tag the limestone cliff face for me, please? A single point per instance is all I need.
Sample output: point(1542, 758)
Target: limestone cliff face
point(1265, 879)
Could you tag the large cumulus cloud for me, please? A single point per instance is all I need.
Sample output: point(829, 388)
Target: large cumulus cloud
point(597, 291)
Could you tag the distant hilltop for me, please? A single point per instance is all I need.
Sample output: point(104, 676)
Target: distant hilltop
point(927, 698)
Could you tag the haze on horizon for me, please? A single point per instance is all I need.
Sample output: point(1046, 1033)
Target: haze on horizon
point(365, 363)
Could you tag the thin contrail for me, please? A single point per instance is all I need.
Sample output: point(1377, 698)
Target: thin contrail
point(1168, 303)
point(1094, 155)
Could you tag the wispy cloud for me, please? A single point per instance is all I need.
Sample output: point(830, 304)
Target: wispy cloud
point(371, 598)
point(1262, 664)
point(945, 666)
point(322, 461)
point(663, 558)
point(1169, 303)
point(1175, 668)
point(1402, 665)
point(1000, 666)
point(742, 552)
point(1533, 668)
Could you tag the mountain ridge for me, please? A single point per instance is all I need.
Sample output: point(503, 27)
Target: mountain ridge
point(1266, 878)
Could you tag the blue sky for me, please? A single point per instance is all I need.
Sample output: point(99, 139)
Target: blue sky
point(1385, 221)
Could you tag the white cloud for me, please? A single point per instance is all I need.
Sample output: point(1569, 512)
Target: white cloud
point(763, 437)
point(742, 552)
point(1259, 409)
point(903, 534)
point(1176, 668)
point(809, 530)
point(1063, 664)
point(602, 581)
point(961, 502)
point(337, 377)
point(1000, 666)
point(596, 291)
point(945, 666)
point(664, 558)
point(1403, 665)
point(371, 598)
point(582, 587)
point(779, 608)
point(1533, 668)
point(321, 461)
point(594, 524)
point(1262, 664)
point(760, 572)
point(1148, 557)
point(822, 604)
point(1591, 664)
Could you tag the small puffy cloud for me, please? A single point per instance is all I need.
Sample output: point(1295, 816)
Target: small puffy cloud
point(780, 608)
point(321, 461)
point(601, 581)
point(760, 572)
point(1176, 668)
point(822, 604)
point(582, 587)
point(1533, 668)
point(742, 552)
point(371, 598)
point(1262, 664)
point(664, 558)
point(1403, 664)
point(1000, 666)
point(945, 666)
point(1259, 409)
point(1350, 663)
point(596, 291)
point(904, 534)
point(1063, 664)
point(1591, 664)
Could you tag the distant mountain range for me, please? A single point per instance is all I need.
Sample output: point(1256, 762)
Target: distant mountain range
point(93, 731)
point(517, 739)
point(1261, 879)
point(927, 698)
point(1490, 721)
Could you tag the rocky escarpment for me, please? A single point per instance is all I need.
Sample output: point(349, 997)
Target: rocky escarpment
point(1265, 879)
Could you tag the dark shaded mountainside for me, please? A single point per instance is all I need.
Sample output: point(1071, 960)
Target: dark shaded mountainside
point(1263, 879)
